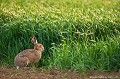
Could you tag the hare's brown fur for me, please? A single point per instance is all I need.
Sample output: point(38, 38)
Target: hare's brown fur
point(30, 55)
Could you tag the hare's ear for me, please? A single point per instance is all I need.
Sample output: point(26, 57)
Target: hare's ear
point(34, 40)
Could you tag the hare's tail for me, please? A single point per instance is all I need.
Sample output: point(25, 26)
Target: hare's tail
point(17, 67)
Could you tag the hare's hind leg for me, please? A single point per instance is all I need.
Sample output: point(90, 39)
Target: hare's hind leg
point(25, 61)
point(22, 62)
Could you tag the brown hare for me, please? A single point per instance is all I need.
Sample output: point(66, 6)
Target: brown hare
point(30, 55)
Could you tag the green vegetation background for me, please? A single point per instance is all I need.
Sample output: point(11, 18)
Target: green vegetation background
point(79, 34)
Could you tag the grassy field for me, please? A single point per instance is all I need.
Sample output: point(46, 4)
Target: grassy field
point(78, 34)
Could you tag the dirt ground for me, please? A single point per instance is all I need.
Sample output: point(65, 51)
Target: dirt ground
point(37, 73)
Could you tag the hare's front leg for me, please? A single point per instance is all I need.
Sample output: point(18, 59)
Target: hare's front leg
point(33, 64)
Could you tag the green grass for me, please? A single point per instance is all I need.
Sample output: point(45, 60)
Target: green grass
point(80, 34)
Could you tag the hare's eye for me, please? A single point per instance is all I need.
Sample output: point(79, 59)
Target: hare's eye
point(40, 46)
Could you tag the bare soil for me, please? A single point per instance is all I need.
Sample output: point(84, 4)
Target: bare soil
point(37, 73)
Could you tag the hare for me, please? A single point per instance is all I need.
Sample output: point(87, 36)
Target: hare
point(29, 55)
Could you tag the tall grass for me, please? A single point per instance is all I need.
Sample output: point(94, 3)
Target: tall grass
point(103, 55)
point(78, 34)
